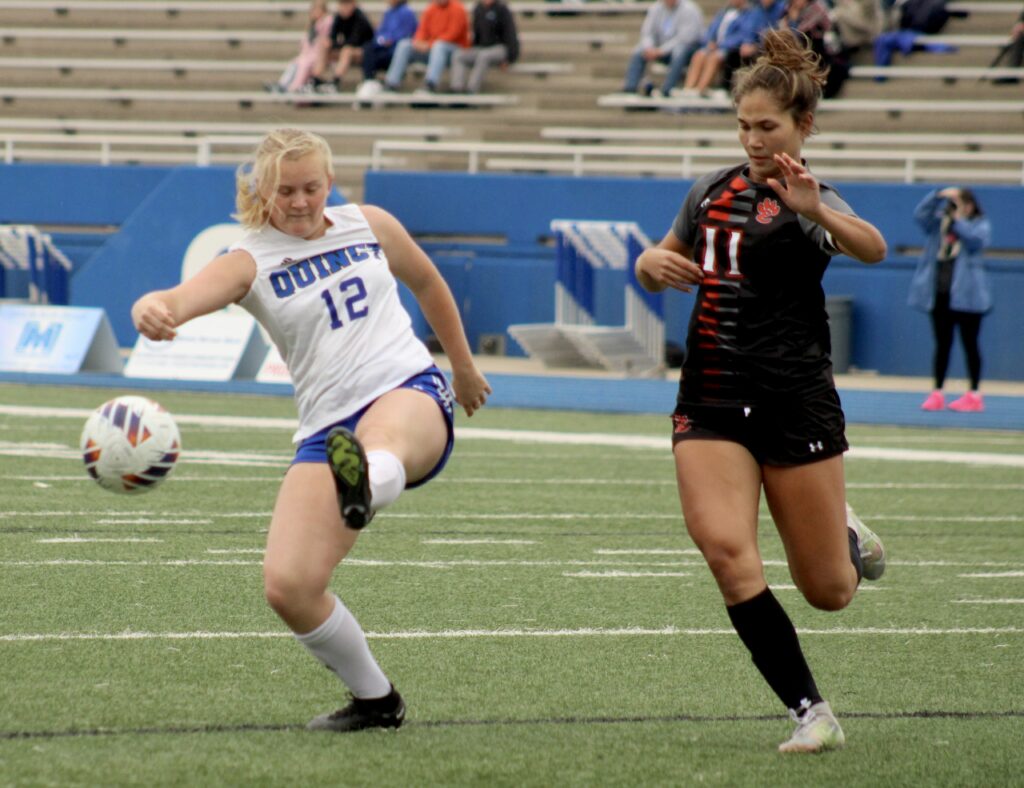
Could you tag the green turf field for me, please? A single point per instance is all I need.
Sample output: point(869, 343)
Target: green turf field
point(539, 606)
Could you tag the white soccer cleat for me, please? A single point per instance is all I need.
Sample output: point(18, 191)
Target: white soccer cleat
point(872, 551)
point(817, 730)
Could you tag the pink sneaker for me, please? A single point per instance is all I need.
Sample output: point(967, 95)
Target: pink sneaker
point(971, 402)
point(935, 401)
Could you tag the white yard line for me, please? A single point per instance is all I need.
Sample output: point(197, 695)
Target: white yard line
point(478, 541)
point(988, 601)
point(151, 521)
point(180, 478)
point(84, 540)
point(619, 573)
point(668, 631)
point(471, 562)
point(651, 551)
point(660, 443)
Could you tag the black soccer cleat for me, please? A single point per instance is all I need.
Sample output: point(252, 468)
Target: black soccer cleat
point(347, 461)
point(360, 714)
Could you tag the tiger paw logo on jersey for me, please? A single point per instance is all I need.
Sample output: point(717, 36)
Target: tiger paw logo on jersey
point(767, 210)
point(680, 423)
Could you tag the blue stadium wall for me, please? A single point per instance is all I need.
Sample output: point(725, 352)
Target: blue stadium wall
point(127, 228)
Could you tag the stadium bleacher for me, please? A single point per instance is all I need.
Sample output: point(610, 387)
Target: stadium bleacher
point(168, 62)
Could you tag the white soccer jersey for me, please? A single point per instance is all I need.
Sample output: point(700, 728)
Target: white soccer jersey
point(331, 307)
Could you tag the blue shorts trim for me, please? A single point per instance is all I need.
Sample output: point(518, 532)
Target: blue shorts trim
point(431, 382)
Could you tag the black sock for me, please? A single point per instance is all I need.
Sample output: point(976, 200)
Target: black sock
point(767, 632)
point(858, 564)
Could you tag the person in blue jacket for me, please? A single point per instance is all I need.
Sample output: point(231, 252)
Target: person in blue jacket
point(950, 283)
point(398, 22)
point(725, 34)
point(764, 15)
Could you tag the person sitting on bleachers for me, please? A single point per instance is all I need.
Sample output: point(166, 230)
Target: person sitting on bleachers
point(724, 35)
point(297, 73)
point(495, 43)
point(811, 19)
point(397, 24)
point(443, 29)
point(764, 15)
point(1013, 52)
point(350, 32)
point(671, 33)
point(857, 23)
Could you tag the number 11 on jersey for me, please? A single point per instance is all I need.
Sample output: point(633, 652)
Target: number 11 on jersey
point(731, 243)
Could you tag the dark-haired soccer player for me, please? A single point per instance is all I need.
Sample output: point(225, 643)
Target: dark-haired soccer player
point(757, 406)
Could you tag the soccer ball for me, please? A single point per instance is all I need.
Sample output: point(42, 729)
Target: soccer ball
point(130, 445)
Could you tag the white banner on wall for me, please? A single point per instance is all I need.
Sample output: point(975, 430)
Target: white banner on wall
point(219, 347)
point(57, 339)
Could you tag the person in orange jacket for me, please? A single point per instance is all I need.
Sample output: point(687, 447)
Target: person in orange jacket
point(443, 29)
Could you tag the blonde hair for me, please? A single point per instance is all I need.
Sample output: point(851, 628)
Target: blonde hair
point(788, 71)
point(256, 181)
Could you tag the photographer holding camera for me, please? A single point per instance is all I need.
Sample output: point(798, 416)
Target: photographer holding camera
point(950, 283)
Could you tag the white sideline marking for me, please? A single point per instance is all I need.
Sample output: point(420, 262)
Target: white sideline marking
point(963, 518)
point(928, 486)
point(82, 540)
point(619, 573)
point(476, 481)
point(470, 562)
point(661, 443)
point(790, 587)
point(988, 601)
point(151, 521)
point(478, 541)
point(236, 550)
point(652, 551)
point(502, 633)
point(81, 477)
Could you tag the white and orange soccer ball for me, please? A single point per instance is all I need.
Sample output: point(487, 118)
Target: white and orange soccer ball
point(130, 444)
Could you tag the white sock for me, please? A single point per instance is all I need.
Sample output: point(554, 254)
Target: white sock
point(387, 478)
point(340, 644)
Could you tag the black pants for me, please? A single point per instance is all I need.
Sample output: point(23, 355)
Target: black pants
point(376, 58)
point(944, 320)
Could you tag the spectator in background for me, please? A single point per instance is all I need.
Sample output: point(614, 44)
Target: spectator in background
point(495, 43)
point(350, 32)
point(857, 23)
point(671, 33)
point(397, 24)
point(300, 69)
point(764, 15)
point(810, 19)
point(1013, 52)
point(443, 29)
point(724, 35)
point(951, 284)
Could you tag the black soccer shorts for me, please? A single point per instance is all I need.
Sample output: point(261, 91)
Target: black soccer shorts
point(782, 433)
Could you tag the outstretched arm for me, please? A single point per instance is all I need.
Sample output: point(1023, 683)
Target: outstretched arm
point(224, 281)
point(410, 264)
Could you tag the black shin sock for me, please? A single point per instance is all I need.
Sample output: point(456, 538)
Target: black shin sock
point(767, 632)
point(858, 563)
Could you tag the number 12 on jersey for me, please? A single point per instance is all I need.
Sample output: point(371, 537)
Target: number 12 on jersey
point(353, 296)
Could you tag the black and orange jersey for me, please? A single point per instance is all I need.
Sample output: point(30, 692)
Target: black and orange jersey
point(759, 330)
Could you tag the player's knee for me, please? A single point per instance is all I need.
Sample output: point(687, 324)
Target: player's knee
point(829, 596)
point(288, 592)
point(729, 562)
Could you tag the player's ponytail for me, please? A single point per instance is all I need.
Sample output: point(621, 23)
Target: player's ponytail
point(788, 70)
point(256, 181)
